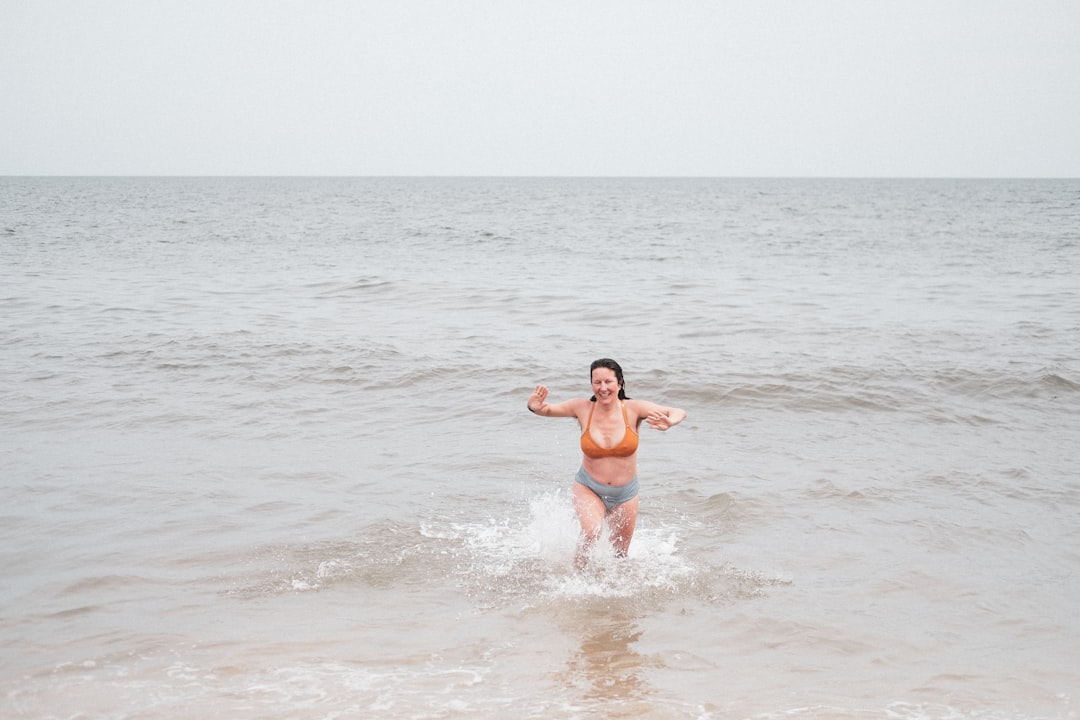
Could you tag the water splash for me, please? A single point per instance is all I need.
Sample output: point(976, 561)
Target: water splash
point(530, 558)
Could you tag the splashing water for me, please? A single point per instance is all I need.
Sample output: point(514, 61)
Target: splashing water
point(532, 557)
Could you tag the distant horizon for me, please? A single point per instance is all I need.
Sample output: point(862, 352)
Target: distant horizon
point(540, 177)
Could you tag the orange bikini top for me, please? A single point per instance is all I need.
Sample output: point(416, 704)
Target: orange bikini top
point(626, 447)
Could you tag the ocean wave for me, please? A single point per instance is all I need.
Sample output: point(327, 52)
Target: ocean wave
point(992, 394)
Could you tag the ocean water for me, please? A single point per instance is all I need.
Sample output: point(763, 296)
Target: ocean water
point(264, 450)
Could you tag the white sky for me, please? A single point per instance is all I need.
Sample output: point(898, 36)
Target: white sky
point(882, 88)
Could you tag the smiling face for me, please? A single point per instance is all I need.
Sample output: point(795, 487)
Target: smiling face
point(605, 385)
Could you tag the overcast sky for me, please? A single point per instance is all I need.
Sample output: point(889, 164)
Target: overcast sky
point(881, 88)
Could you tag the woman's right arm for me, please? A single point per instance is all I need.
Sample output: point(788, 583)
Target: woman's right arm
point(539, 405)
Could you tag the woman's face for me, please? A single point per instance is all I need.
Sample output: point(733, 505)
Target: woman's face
point(604, 383)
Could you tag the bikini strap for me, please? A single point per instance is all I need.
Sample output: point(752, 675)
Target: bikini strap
point(622, 406)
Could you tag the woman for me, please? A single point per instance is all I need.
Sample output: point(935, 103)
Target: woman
point(606, 486)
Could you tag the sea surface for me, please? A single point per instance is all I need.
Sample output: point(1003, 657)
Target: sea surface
point(264, 449)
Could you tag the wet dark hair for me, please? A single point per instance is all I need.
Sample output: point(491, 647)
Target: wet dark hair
point(614, 367)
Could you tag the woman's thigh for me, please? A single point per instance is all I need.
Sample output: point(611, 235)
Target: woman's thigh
point(590, 510)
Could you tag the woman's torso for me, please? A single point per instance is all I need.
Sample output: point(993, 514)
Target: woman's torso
point(609, 443)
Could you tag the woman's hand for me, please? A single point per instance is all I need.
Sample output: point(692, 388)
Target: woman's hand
point(665, 418)
point(538, 398)
point(658, 421)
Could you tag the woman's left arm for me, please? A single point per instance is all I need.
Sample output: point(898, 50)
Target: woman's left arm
point(659, 417)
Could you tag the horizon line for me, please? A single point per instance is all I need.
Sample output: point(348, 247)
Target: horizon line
point(315, 176)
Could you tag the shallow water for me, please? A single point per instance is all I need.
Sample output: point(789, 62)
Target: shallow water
point(264, 449)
